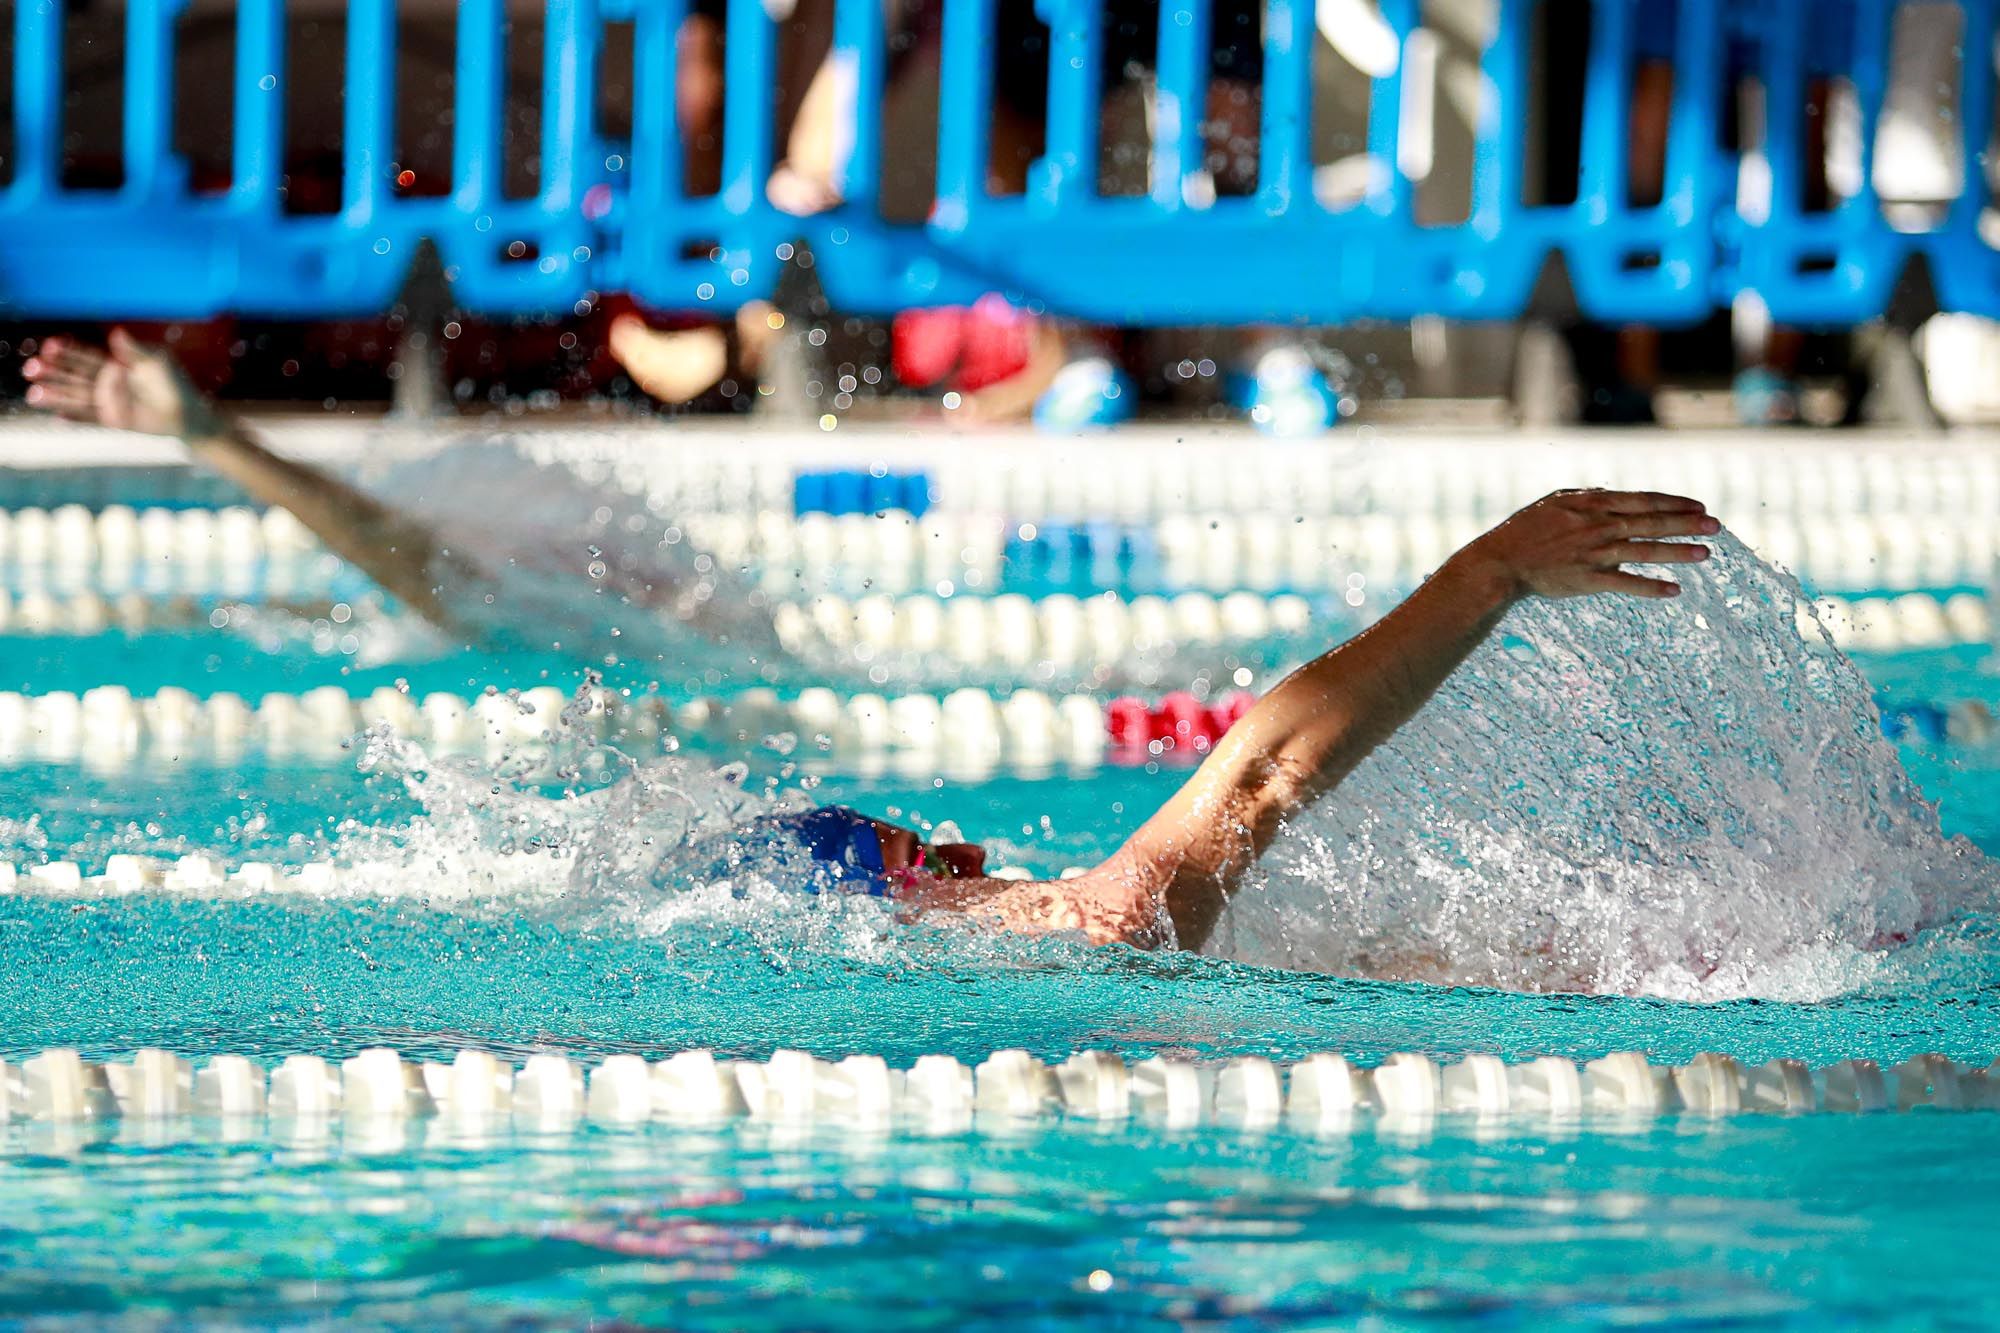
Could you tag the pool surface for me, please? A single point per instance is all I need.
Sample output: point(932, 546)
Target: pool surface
point(1695, 813)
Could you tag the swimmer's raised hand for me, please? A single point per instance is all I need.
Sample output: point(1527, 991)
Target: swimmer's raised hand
point(132, 387)
point(1574, 543)
point(139, 388)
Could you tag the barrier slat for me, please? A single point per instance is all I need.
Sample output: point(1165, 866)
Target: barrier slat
point(747, 107)
point(1389, 193)
point(965, 100)
point(608, 219)
point(1181, 101)
point(38, 31)
point(1067, 173)
point(1284, 171)
point(259, 147)
point(479, 98)
point(149, 97)
point(860, 41)
point(368, 121)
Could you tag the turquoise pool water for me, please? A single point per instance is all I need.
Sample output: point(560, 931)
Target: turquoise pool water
point(463, 935)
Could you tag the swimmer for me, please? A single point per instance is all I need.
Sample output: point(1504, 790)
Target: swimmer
point(1169, 884)
point(141, 389)
point(531, 580)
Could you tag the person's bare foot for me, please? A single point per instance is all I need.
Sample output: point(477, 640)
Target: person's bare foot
point(799, 192)
point(674, 366)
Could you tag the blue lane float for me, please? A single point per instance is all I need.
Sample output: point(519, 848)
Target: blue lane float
point(861, 491)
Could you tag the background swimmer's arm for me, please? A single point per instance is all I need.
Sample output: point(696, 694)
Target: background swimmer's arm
point(1309, 732)
point(140, 389)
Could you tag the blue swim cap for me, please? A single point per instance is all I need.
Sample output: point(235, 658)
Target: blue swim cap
point(847, 843)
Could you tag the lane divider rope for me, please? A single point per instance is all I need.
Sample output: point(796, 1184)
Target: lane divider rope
point(1222, 551)
point(1061, 630)
point(1322, 1093)
point(39, 613)
point(110, 724)
point(200, 876)
point(233, 550)
point(1140, 473)
point(243, 552)
point(1137, 475)
point(968, 731)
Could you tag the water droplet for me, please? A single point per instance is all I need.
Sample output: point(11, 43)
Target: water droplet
point(268, 82)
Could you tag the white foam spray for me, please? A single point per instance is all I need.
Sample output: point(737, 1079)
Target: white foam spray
point(676, 850)
point(1689, 799)
point(550, 555)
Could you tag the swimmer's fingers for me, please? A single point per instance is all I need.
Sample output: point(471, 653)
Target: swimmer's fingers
point(1627, 526)
point(1633, 585)
point(40, 372)
point(48, 368)
point(1642, 502)
point(61, 356)
point(68, 401)
point(1654, 553)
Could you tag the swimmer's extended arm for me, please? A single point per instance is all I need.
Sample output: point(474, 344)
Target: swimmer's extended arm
point(1309, 732)
point(140, 389)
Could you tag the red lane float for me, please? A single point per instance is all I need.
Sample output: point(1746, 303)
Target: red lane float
point(1178, 724)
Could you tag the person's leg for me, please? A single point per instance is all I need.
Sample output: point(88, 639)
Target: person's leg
point(698, 82)
point(1767, 388)
point(1637, 355)
point(1278, 379)
point(677, 366)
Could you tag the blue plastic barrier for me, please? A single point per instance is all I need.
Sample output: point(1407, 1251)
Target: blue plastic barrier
point(612, 216)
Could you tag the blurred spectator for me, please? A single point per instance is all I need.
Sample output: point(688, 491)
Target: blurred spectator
point(689, 360)
point(1070, 375)
point(1765, 390)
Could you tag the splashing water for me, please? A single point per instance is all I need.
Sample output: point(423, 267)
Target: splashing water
point(567, 559)
point(675, 850)
point(1690, 799)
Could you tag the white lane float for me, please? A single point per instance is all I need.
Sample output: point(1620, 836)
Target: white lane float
point(1319, 1094)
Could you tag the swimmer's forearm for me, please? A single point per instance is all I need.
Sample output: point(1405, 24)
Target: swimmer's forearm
point(1304, 736)
point(395, 551)
point(1309, 731)
point(1327, 716)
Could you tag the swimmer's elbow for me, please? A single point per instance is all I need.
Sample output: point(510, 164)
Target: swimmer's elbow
point(1288, 781)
